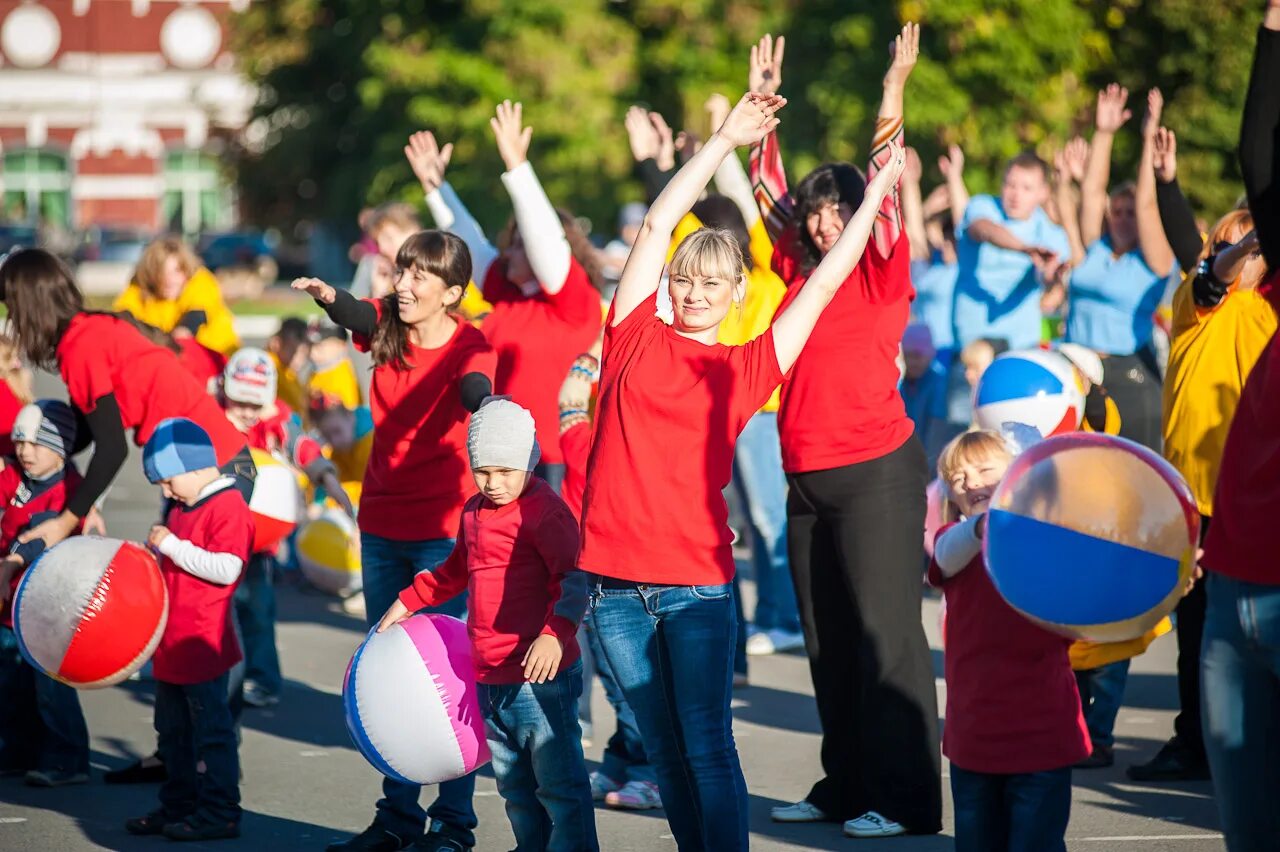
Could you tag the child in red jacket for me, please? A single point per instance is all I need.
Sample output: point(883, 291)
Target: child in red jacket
point(203, 547)
point(516, 550)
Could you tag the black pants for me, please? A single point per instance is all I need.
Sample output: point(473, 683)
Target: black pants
point(1190, 612)
point(1135, 385)
point(855, 536)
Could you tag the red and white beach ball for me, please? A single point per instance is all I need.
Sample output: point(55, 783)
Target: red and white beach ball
point(91, 611)
point(276, 503)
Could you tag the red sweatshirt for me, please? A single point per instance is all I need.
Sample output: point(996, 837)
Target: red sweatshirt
point(22, 498)
point(518, 563)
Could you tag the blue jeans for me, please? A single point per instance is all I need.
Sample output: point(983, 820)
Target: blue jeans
point(1101, 694)
point(193, 724)
point(256, 610)
point(671, 650)
point(41, 725)
point(387, 568)
point(1011, 813)
point(1240, 686)
point(624, 758)
point(533, 734)
point(757, 473)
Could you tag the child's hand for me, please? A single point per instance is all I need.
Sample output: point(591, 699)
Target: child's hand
point(395, 614)
point(94, 523)
point(1196, 573)
point(158, 534)
point(542, 660)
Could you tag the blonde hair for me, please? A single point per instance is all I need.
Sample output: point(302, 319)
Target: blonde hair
point(967, 448)
point(151, 265)
point(19, 380)
point(397, 213)
point(709, 253)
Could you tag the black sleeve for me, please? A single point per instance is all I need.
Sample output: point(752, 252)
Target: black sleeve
point(655, 179)
point(354, 315)
point(109, 452)
point(1258, 147)
point(1179, 224)
point(475, 387)
point(192, 320)
point(1206, 289)
point(1095, 409)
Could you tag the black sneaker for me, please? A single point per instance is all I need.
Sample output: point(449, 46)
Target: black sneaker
point(375, 838)
point(136, 773)
point(200, 830)
point(1101, 758)
point(445, 838)
point(1174, 762)
point(149, 825)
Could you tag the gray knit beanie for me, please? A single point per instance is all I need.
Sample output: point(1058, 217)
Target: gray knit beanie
point(502, 434)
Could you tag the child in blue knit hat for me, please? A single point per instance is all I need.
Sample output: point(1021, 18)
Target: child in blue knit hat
point(203, 546)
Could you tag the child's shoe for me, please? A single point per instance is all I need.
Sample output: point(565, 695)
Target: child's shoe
point(55, 778)
point(601, 786)
point(1101, 757)
point(191, 829)
point(150, 825)
point(635, 796)
point(871, 824)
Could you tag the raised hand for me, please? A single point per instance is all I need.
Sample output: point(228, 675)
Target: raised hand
point(1166, 155)
point(1155, 108)
point(1075, 156)
point(717, 107)
point(316, 289)
point(903, 53)
point(511, 134)
point(666, 142)
point(765, 75)
point(687, 144)
point(752, 119)
point(1112, 114)
point(641, 134)
point(428, 160)
point(951, 164)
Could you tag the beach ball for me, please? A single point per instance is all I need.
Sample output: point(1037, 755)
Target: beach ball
point(276, 503)
point(329, 553)
point(1032, 387)
point(91, 611)
point(1092, 536)
point(411, 704)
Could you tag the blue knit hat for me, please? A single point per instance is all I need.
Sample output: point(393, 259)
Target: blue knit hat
point(177, 446)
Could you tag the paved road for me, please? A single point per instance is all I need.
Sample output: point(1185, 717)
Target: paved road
point(304, 784)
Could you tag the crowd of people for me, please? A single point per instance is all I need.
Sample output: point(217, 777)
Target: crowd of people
point(540, 436)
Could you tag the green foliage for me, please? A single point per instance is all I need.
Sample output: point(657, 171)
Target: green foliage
point(345, 82)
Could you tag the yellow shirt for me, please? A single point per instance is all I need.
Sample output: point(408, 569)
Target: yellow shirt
point(200, 293)
point(1090, 655)
point(765, 291)
point(289, 390)
point(337, 380)
point(1211, 353)
point(473, 306)
point(351, 462)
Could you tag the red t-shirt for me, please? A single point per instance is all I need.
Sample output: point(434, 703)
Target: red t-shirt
point(575, 445)
point(204, 364)
point(199, 642)
point(668, 414)
point(23, 499)
point(1247, 499)
point(10, 405)
point(279, 432)
point(101, 354)
point(1012, 702)
point(517, 563)
point(419, 475)
point(840, 402)
point(536, 339)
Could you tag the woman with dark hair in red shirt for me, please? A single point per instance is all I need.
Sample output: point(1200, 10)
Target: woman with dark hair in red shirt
point(115, 377)
point(857, 475)
point(655, 535)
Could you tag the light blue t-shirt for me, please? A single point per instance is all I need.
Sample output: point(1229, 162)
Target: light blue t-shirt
point(1112, 300)
point(935, 296)
point(997, 290)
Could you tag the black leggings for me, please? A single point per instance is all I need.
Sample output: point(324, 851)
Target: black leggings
point(856, 540)
point(1135, 386)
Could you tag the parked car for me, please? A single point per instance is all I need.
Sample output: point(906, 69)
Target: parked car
point(17, 235)
point(106, 258)
point(243, 261)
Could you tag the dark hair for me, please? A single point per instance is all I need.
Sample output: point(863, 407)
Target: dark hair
point(1030, 160)
point(294, 329)
point(587, 255)
point(716, 211)
point(436, 252)
point(832, 183)
point(42, 298)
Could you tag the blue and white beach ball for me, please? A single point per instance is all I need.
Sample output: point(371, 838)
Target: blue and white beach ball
point(1033, 387)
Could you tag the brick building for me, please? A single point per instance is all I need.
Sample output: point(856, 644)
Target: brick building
point(114, 112)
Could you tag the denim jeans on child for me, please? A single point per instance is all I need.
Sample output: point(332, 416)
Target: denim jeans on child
point(624, 758)
point(533, 733)
point(1011, 813)
point(671, 650)
point(41, 725)
point(256, 611)
point(1101, 694)
point(1240, 684)
point(758, 475)
point(193, 725)
point(387, 568)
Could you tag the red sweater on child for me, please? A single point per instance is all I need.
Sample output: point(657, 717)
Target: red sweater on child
point(1012, 702)
point(22, 499)
point(199, 642)
point(518, 562)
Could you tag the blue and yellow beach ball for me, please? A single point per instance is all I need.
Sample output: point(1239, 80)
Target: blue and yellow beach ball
point(1033, 387)
point(1092, 536)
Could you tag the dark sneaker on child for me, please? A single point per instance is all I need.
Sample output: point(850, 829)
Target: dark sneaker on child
point(1101, 758)
point(55, 778)
point(375, 838)
point(256, 696)
point(1174, 762)
point(151, 824)
point(201, 830)
point(444, 838)
point(139, 772)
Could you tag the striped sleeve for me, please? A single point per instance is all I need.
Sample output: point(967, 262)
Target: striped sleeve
point(769, 185)
point(889, 224)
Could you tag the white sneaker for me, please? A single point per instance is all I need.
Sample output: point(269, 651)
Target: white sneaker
point(760, 644)
point(799, 812)
point(635, 796)
point(601, 786)
point(871, 824)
